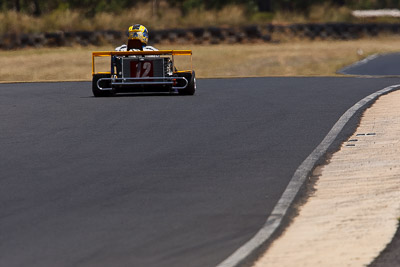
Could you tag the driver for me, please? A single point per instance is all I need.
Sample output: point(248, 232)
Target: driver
point(138, 36)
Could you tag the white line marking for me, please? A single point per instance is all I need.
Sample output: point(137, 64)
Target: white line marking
point(301, 174)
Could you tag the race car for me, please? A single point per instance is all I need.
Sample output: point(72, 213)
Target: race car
point(143, 72)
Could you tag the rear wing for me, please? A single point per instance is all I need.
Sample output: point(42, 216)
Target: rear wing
point(141, 53)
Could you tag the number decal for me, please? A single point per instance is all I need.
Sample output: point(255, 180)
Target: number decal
point(147, 68)
point(138, 69)
point(143, 70)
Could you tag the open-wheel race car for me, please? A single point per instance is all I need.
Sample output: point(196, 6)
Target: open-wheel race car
point(143, 71)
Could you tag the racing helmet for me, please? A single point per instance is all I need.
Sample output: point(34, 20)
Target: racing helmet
point(138, 32)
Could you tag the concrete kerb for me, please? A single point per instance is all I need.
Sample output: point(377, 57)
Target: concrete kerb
point(273, 222)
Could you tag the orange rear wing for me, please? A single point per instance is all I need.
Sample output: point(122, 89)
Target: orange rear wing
point(141, 53)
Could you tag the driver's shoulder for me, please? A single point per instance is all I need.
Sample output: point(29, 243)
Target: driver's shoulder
point(121, 48)
point(149, 48)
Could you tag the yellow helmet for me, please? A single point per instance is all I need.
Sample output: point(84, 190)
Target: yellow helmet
point(138, 32)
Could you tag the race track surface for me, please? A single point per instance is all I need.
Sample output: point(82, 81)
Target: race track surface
point(154, 180)
point(376, 65)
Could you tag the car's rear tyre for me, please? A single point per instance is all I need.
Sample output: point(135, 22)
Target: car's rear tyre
point(103, 84)
point(191, 87)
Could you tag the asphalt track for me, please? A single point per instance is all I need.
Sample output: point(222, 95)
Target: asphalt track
point(154, 180)
point(375, 65)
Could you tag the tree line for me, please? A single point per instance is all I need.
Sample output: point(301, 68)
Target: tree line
point(38, 7)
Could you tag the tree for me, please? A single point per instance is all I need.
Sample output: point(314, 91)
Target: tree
point(339, 2)
point(17, 5)
point(264, 5)
point(37, 11)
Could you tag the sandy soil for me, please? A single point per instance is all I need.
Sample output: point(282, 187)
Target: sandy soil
point(353, 213)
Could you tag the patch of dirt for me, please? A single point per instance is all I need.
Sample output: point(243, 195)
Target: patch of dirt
point(352, 214)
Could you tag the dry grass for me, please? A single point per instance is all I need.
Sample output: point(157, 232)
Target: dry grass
point(301, 58)
point(168, 17)
point(320, 13)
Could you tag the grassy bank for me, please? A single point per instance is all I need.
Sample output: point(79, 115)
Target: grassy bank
point(167, 17)
point(302, 58)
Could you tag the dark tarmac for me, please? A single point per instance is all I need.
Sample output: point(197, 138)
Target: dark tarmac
point(376, 65)
point(154, 180)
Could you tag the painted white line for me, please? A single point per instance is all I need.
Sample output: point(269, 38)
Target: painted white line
point(395, 13)
point(301, 174)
